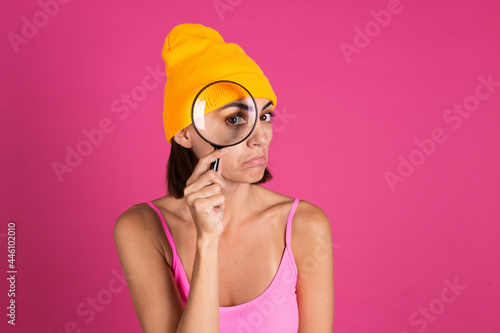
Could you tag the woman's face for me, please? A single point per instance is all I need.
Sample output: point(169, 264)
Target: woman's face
point(245, 162)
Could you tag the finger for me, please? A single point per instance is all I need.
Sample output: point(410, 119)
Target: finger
point(208, 178)
point(204, 163)
point(206, 205)
point(205, 192)
point(220, 207)
point(219, 170)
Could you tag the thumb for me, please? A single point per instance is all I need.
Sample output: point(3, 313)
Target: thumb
point(219, 169)
point(220, 160)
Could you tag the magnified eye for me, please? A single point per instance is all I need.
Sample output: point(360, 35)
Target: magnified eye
point(236, 120)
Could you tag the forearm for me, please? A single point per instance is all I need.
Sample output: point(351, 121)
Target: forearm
point(201, 313)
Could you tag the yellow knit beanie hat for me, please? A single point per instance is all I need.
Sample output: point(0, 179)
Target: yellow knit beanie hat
point(195, 56)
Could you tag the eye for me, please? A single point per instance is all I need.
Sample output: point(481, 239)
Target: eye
point(267, 117)
point(235, 120)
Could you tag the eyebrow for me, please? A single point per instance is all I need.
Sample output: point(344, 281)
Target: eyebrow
point(243, 106)
point(265, 106)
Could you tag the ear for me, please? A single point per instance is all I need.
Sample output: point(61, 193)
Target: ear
point(183, 138)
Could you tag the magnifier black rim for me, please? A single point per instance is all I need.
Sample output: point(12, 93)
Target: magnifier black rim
point(233, 144)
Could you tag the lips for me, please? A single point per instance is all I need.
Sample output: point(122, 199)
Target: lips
point(256, 161)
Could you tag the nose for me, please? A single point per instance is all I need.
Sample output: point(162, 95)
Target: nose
point(259, 136)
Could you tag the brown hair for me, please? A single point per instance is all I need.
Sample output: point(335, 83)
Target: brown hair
point(180, 166)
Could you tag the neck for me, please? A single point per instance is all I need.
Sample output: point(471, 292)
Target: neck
point(239, 198)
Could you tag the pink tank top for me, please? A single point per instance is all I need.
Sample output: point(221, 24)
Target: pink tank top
point(275, 310)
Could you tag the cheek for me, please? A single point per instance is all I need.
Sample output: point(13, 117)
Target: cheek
point(234, 157)
point(269, 133)
point(233, 160)
point(201, 148)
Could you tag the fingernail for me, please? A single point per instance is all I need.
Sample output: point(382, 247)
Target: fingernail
point(224, 149)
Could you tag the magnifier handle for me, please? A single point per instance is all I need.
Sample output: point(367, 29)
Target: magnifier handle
point(215, 165)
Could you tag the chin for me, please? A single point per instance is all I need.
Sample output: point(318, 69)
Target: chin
point(249, 176)
point(256, 176)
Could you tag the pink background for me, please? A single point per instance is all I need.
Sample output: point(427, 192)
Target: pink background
point(344, 122)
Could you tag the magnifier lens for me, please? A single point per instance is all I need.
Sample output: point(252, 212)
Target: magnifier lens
point(224, 113)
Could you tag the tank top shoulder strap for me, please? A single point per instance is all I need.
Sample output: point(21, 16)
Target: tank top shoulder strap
point(288, 245)
point(289, 221)
point(167, 232)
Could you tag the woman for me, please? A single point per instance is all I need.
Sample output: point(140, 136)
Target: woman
point(221, 253)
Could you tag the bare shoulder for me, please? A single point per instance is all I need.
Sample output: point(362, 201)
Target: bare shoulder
point(310, 228)
point(310, 217)
point(135, 219)
point(136, 224)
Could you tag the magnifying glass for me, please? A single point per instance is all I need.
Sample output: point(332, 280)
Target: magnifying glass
point(224, 114)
